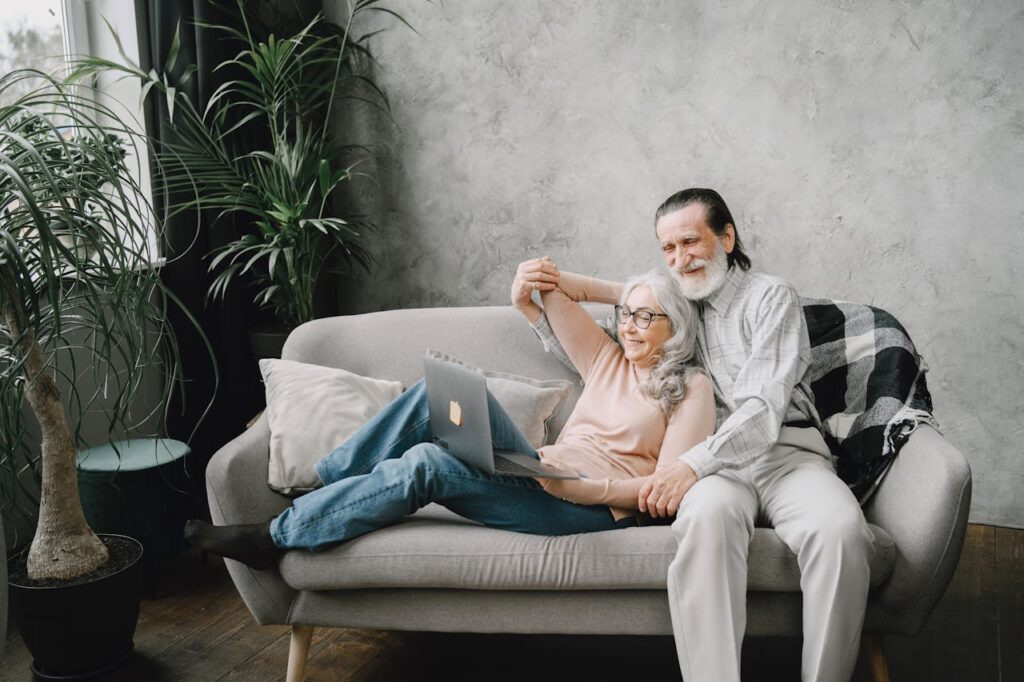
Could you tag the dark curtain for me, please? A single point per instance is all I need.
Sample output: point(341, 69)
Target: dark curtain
point(187, 242)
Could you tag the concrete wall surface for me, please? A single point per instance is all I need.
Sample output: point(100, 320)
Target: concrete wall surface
point(870, 151)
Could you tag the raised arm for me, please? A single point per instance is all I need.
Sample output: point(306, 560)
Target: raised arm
point(692, 421)
point(579, 335)
point(590, 289)
point(541, 274)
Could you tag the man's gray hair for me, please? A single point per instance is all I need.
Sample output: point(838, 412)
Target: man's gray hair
point(676, 361)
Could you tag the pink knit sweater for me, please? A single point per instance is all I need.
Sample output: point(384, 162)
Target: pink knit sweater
point(616, 435)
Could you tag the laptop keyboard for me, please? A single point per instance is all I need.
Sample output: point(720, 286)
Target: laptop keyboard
point(507, 466)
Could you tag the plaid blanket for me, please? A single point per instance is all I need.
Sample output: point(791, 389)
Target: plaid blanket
point(869, 388)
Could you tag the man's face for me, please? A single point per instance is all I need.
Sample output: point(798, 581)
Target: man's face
point(693, 251)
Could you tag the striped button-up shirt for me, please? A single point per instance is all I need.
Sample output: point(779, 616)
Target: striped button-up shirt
point(753, 342)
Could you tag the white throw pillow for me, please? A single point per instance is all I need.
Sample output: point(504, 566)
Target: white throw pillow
point(530, 403)
point(312, 410)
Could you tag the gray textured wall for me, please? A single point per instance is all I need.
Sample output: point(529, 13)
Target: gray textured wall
point(870, 151)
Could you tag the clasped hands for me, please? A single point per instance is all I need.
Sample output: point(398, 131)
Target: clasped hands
point(660, 494)
point(663, 492)
point(536, 274)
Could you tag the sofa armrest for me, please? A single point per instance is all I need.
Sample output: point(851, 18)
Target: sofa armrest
point(923, 502)
point(236, 483)
point(236, 479)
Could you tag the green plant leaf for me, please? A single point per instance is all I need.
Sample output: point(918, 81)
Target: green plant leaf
point(396, 15)
point(267, 294)
point(172, 51)
point(171, 93)
point(120, 46)
point(324, 175)
point(186, 75)
point(146, 87)
point(273, 262)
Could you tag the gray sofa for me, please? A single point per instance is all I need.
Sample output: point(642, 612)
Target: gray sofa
point(438, 572)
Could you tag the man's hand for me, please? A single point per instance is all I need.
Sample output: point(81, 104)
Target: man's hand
point(536, 274)
point(663, 492)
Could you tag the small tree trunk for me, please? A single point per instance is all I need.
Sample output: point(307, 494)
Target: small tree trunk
point(64, 546)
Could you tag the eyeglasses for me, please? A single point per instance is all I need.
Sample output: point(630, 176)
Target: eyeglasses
point(642, 318)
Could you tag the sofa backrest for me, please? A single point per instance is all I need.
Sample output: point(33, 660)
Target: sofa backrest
point(391, 345)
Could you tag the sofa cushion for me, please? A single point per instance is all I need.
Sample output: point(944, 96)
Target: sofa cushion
point(312, 410)
point(435, 548)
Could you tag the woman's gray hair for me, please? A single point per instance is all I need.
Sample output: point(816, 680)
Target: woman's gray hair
point(676, 361)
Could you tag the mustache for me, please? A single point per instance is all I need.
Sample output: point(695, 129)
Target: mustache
point(697, 264)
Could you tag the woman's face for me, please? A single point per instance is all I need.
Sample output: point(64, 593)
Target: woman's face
point(642, 346)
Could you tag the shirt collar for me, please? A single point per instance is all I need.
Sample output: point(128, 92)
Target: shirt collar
point(722, 297)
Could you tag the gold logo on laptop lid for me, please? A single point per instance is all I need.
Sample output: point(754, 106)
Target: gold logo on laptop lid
point(455, 412)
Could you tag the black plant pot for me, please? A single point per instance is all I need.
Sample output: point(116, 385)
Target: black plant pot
point(83, 631)
point(267, 343)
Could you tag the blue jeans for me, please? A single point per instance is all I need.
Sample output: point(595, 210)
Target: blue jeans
point(390, 468)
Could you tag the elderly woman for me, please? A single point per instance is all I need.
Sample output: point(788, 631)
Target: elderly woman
point(643, 403)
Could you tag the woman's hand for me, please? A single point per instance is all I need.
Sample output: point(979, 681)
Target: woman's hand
point(576, 490)
point(536, 274)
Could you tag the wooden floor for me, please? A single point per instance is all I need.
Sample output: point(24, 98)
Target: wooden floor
point(198, 629)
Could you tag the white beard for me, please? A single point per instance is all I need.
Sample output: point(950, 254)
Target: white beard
point(715, 270)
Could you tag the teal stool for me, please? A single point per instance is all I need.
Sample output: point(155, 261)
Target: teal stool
point(141, 490)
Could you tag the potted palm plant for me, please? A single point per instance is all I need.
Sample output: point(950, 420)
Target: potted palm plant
point(81, 302)
point(263, 153)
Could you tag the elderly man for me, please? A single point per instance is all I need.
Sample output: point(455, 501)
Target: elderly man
point(767, 459)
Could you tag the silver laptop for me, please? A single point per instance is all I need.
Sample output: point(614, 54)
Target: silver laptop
point(461, 424)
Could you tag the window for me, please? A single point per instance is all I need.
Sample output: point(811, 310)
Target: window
point(42, 34)
point(31, 36)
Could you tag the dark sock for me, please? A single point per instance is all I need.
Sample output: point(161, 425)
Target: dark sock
point(249, 543)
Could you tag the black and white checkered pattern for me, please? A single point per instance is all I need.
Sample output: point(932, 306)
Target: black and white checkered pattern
point(869, 388)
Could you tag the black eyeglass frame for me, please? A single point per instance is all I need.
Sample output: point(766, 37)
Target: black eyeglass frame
point(622, 315)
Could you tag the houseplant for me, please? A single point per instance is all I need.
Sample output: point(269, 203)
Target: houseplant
point(81, 302)
point(263, 153)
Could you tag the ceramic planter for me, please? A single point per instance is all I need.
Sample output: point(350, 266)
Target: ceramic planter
point(84, 630)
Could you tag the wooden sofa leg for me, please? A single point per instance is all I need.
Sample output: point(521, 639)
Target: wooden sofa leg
point(297, 651)
point(875, 651)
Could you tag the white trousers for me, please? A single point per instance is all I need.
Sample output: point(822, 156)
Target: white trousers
point(796, 489)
